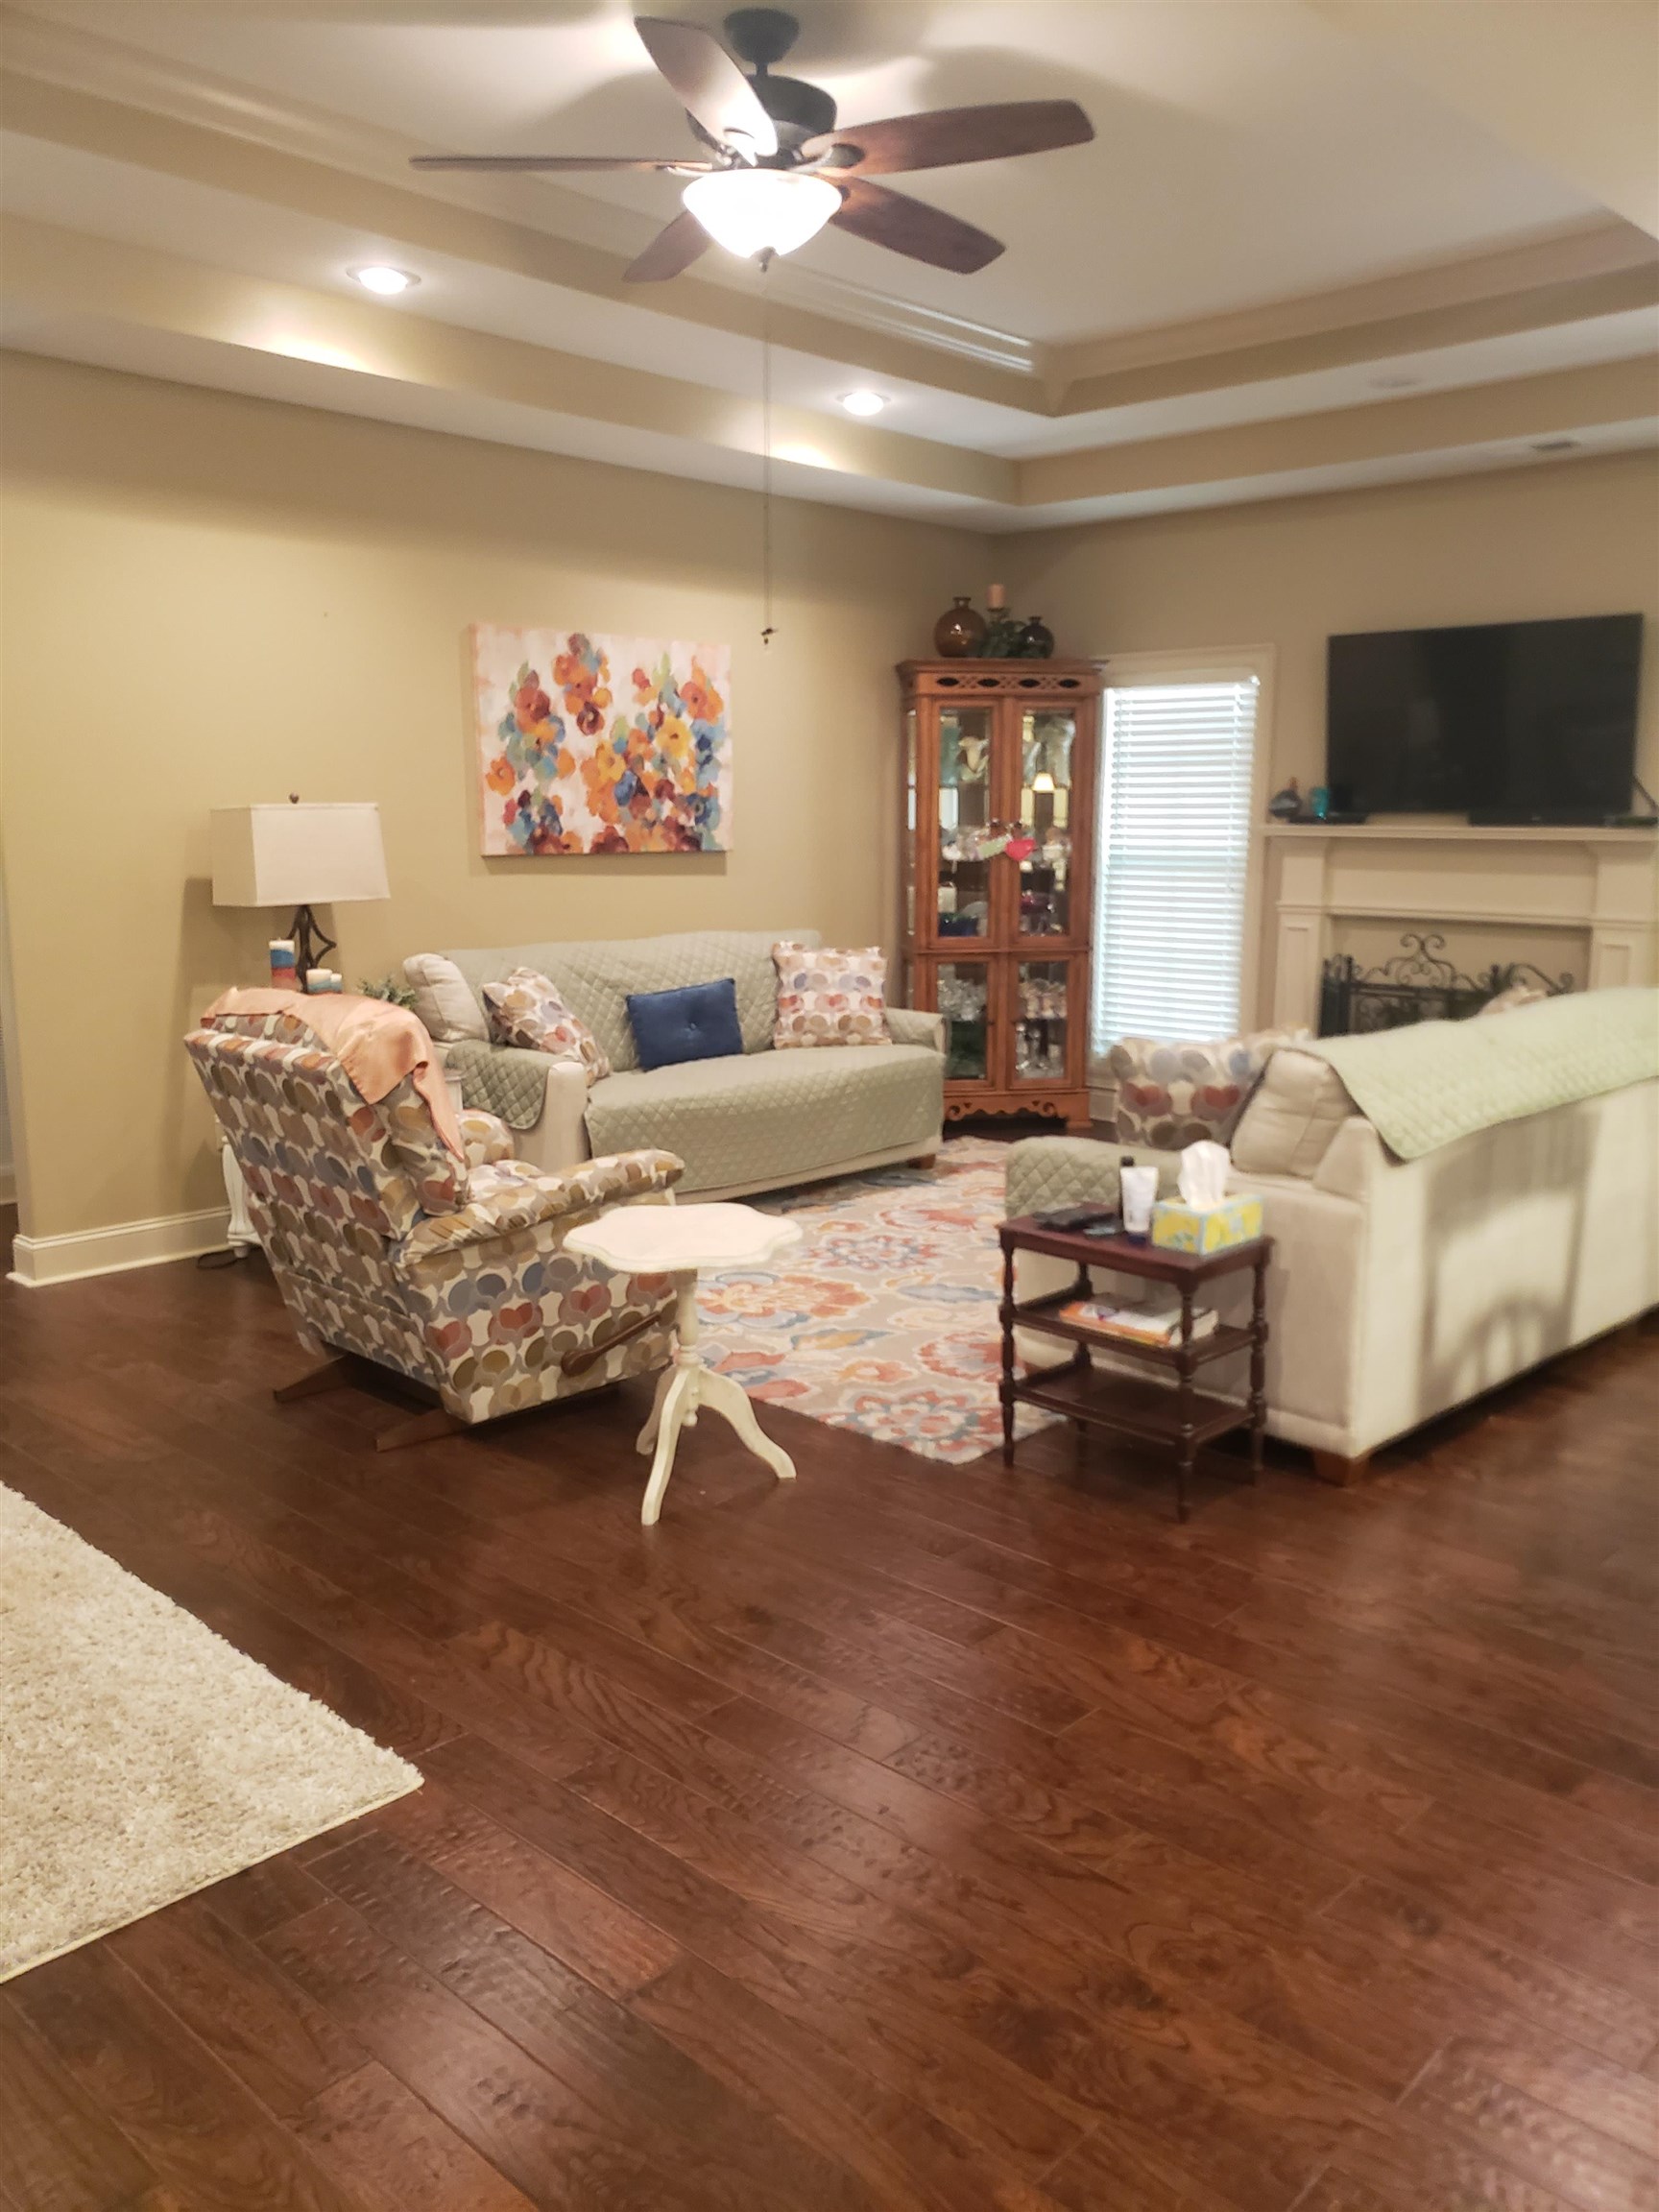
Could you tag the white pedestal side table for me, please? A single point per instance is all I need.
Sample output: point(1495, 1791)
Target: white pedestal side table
point(680, 1240)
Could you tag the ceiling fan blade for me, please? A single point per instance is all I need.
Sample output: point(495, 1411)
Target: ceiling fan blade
point(907, 226)
point(673, 249)
point(709, 84)
point(947, 135)
point(569, 163)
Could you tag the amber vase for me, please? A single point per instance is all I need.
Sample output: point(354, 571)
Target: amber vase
point(959, 632)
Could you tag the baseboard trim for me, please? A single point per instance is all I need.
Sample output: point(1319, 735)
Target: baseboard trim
point(39, 1261)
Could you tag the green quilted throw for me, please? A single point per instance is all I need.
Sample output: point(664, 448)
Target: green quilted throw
point(1427, 1085)
point(503, 1082)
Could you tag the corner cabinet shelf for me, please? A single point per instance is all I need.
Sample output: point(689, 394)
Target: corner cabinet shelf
point(997, 939)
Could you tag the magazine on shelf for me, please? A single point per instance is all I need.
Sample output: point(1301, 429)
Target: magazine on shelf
point(1157, 1326)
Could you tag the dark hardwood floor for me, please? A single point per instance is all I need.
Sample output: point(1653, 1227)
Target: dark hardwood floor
point(928, 1840)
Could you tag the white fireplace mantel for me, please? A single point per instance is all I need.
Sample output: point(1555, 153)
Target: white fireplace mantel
point(1601, 886)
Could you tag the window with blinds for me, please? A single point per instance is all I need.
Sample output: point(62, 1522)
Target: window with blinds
point(1175, 843)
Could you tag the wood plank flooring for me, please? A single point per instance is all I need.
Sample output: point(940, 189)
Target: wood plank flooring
point(911, 1840)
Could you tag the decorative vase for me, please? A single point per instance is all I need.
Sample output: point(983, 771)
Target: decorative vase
point(960, 631)
point(1037, 640)
point(1287, 805)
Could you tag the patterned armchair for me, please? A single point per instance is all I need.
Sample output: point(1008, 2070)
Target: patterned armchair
point(385, 1246)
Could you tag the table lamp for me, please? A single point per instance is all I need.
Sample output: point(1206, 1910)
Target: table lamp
point(301, 856)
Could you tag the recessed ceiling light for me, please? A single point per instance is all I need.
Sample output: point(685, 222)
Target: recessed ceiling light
point(863, 402)
point(387, 281)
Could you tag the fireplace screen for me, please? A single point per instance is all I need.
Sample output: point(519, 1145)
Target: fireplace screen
point(1416, 985)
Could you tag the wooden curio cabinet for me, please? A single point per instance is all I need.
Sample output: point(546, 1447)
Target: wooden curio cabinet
point(997, 851)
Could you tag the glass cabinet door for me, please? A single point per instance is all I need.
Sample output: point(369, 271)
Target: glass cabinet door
point(909, 841)
point(1047, 742)
point(962, 994)
point(964, 815)
point(1042, 1021)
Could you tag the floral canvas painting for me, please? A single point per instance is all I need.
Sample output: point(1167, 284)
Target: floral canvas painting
point(590, 745)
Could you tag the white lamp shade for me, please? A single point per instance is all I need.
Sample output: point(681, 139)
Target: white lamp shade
point(296, 856)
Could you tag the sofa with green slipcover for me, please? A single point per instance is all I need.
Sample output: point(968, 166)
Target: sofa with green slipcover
point(757, 1120)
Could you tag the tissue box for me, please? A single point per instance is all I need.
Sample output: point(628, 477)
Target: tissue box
point(1177, 1227)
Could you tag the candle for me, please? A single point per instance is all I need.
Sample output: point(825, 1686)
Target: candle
point(319, 980)
point(996, 598)
point(282, 973)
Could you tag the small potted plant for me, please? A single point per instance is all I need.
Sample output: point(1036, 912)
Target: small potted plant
point(388, 988)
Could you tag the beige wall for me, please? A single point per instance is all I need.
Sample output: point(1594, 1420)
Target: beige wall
point(210, 599)
point(1563, 537)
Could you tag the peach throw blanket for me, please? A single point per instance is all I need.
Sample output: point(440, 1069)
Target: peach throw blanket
point(376, 1044)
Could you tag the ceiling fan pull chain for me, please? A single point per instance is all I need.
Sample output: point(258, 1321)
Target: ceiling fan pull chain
point(767, 631)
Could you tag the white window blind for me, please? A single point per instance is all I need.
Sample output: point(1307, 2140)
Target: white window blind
point(1174, 845)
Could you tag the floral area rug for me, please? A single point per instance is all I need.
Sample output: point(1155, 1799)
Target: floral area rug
point(883, 1318)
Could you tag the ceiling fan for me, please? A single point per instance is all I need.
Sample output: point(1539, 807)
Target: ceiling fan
point(781, 168)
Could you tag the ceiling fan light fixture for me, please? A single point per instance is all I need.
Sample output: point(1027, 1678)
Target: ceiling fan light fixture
point(752, 211)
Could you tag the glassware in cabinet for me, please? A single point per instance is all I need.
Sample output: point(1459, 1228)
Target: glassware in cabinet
point(963, 895)
point(962, 994)
point(1041, 1021)
point(1048, 744)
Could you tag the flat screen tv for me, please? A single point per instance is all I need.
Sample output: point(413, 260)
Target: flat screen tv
point(1502, 721)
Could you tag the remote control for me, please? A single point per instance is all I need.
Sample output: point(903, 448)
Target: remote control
point(1073, 1217)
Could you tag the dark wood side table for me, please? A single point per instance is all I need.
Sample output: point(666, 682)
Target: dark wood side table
point(1184, 1417)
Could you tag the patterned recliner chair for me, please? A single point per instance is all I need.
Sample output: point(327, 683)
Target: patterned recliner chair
point(384, 1245)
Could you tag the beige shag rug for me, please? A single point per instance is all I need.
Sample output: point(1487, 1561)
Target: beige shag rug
point(142, 1756)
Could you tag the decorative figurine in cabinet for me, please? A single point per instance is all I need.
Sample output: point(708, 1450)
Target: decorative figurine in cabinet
point(997, 830)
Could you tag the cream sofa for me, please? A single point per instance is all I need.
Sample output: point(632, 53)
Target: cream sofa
point(1399, 1288)
point(757, 1121)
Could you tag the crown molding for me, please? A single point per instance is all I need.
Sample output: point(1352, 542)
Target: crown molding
point(58, 281)
point(1601, 248)
point(84, 297)
point(907, 320)
point(1602, 268)
point(1550, 404)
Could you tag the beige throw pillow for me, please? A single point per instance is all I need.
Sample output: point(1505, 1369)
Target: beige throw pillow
point(528, 1012)
point(829, 997)
point(444, 999)
point(1297, 1109)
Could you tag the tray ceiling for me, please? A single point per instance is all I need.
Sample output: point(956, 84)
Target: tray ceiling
point(1277, 225)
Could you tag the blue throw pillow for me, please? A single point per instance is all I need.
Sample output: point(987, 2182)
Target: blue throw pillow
point(699, 1023)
